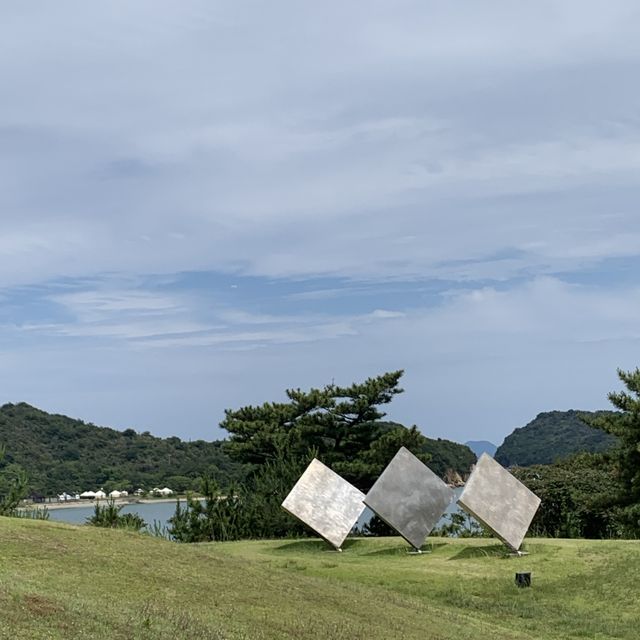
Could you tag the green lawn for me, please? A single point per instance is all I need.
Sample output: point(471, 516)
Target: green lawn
point(60, 581)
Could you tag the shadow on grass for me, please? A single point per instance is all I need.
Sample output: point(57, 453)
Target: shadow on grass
point(405, 550)
point(314, 545)
point(490, 551)
point(351, 544)
point(358, 545)
point(309, 545)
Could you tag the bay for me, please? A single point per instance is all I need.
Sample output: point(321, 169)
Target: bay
point(159, 512)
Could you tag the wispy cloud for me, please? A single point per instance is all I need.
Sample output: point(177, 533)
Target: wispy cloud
point(92, 304)
point(158, 321)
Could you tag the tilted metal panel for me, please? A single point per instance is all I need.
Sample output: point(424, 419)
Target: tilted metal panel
point(326, 502)
point(499, 501)
point(409, 497)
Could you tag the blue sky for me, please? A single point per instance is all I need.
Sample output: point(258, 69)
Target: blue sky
point(205, 203)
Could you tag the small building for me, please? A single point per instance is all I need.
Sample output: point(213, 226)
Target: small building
point(87, 495)
point(100, 495)
point(115, 494)
point(162, 492)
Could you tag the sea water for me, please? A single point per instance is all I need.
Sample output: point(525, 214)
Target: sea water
point(159, 512)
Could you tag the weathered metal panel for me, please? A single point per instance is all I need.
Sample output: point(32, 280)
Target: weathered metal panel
point(499, 501)
point(326, 502)
point(409, 497)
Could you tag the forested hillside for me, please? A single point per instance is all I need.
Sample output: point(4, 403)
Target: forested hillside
point(63, 454)
point(552, 436)
point(447, 455)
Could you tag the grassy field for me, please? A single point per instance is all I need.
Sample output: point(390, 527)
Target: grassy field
point(59, 581)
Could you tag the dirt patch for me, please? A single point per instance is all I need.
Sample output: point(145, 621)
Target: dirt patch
point(38, 605)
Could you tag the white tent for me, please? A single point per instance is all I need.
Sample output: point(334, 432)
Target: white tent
point(115, 494)
point(100, 494)
point(88, 494)
point(165, 492)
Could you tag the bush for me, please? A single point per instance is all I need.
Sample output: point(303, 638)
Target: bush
point(109, 516)
point(461, 525)
point(13, 487)
point(249, 510)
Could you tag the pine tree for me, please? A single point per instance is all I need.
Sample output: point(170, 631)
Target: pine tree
point(625, 424)
point(13, 486)
point(333, 419)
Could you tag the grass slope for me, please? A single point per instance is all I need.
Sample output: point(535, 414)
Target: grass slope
point(59, 581)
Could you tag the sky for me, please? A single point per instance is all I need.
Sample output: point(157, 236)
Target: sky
point(204, 203)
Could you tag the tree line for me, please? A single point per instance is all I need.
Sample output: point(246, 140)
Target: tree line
point(587, 495)
point(595, 495)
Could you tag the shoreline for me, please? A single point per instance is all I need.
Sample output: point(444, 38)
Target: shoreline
point(76, 504)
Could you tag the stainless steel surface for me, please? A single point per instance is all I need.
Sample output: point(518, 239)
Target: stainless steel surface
point(409, 497)
point(326, 502)
point(499, 501)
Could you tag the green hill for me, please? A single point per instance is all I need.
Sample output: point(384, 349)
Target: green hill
point(62, 454)
point(552, 436)
point(449, 456)
point(69, 583)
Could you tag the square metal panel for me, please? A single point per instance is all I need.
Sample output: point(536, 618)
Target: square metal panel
point(409, 497)
point(326, 502)
point(499, 501)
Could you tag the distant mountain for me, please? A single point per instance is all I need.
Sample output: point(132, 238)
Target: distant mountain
point(62, 454)
point(552, 436)
point(481, 446)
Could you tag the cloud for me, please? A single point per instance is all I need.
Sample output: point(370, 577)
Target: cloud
point(385, 313)
point(97, 303)
point(416, 185)
point(150, 316)
point(159, 140)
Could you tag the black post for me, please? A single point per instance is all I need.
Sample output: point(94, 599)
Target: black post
point(523, 579)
